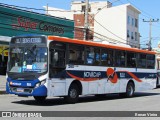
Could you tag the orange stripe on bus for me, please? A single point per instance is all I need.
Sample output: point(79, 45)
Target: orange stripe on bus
point(82, 79)
point(132, 75)
point(83, 42)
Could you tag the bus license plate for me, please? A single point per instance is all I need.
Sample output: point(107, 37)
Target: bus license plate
point(20, 90)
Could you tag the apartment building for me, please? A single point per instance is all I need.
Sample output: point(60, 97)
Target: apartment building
point(120, 23)
point(116, 24)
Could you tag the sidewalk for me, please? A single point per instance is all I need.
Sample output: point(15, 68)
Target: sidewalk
point(2, 84)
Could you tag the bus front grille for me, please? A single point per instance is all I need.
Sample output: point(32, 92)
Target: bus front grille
point(21, 90)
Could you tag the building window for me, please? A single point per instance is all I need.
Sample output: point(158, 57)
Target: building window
point(136, 38)
point(132, 22)
point(128, 35)
point(83, 8)
point(136, 22)
point(128, 20)
point(132, 35)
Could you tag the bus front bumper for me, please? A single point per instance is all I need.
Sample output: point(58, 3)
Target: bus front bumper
point(21, 91)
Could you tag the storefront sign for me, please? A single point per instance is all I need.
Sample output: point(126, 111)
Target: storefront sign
point(24, 23)
point(50, 28)
point(28, 24)
point(20, 22)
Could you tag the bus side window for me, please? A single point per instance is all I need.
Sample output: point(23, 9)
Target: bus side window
point(150, 61)
point(72, 57)
point(131, 59)
point(76, 54)
point(97, 56)
point(110, 58)
point(104, 56)
point(141, 60)
point(90, 55)
point(57, 58)
point(61, 59)
point(107, 57)
point(120, 58)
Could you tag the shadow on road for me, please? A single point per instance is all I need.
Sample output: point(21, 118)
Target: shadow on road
point(82, 99)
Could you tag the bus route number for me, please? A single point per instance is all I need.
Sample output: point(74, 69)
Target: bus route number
point(122, 75)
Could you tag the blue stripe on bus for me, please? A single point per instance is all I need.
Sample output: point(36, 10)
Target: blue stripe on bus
point(103, 74)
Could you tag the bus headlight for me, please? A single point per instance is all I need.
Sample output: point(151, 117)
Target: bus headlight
point(40, 83)
point(37, 85)
point(43, 82)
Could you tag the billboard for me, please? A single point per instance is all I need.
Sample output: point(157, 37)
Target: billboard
point(15, 22)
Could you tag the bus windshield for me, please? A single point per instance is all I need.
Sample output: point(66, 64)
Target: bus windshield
point(28, 59)
point(27, 54)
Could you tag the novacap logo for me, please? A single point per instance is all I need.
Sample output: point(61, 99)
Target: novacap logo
point(17, 84)
point(112, 75)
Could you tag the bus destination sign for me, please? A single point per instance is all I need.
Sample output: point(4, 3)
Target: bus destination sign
point(28, 40)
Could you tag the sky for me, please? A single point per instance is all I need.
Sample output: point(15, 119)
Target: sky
point(150, 9)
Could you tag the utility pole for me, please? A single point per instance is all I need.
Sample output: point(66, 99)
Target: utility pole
point(150, 32)
point(86, 20)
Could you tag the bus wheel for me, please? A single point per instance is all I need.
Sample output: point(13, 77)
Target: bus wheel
point(40, 98)
point(130, 89)
point(73, 94)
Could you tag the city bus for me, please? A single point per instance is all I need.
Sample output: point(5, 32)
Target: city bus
point(52, 66)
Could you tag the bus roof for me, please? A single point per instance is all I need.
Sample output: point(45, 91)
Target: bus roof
point(83, 42)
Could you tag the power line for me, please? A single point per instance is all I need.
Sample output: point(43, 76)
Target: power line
point(36, 20)
point(37, 9)
point(94, 32)
point(105, 27)
point(102, 9)
point(143, 13)
point(109, 30)
point(150, 31)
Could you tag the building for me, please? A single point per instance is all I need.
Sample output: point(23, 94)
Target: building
point(121, 23)
point(15, 22)
point(79, 17)
point(118, 24)
point(77, 13)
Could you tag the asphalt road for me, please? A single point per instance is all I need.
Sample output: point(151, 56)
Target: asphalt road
point(144, 101)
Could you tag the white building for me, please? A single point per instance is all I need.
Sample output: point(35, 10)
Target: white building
point(77, 7)
point(59, 12)
point(95, 6)
point(118, 23)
